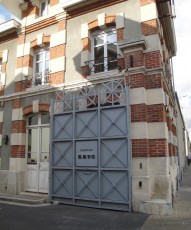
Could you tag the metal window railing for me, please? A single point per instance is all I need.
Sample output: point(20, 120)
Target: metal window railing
point(101, 65)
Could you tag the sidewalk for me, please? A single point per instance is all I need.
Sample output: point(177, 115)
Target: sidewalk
point(26, 199)
point(181, 218)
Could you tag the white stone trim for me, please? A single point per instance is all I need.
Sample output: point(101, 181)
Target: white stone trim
point(137, 96)
point(17, 114)
point(157, 130)
point(84, 31)
point(1, 116)
point(57, 64)
point(39, 39)
point(0, 139)
point(101, 20)
point(120, 22)
point(149, 12)
point(5, 55)
point(23, 49)
point(139, 130)
point(35, 106)
point(85, 56)
point(20, 73)
point(3, 78)
point(17, 164)
point(58, 38)
point(18, 139)
point(155, 96)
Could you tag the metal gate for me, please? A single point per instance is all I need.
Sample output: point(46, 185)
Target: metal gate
point(90, 146)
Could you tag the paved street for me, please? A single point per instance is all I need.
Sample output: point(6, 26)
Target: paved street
point(65, 217)
point(53, 217)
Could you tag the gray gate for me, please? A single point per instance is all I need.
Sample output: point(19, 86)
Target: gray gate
point(90, 146)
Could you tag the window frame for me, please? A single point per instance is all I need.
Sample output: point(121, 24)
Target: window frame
point(103, 33)
point(40, 77)
point(46, 9)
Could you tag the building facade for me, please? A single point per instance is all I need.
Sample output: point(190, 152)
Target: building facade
point(57, 46)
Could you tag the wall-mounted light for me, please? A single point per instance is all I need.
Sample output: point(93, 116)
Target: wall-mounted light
point(5, 139)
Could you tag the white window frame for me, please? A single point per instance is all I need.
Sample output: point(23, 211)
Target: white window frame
point(102, 34)
point(39, 126)
point(41, 76)
point(46, 9)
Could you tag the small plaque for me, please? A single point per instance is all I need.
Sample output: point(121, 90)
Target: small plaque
point(86, 153)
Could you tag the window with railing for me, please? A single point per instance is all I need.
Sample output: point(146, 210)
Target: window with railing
point(104, 53)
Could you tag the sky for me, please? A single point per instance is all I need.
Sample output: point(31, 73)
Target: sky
point(181, 62)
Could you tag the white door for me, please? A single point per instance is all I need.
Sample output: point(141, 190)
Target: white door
point(37, 169)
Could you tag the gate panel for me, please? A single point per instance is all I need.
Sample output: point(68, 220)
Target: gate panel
point(90, 147)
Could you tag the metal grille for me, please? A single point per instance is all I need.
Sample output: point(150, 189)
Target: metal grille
point(90, 146)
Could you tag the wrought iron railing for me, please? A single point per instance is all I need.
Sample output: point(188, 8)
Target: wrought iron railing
point(38, 79)
point(101, 65)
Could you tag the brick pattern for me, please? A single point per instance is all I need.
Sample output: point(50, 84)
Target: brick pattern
point(153, 60)
point(86, 43)
point(146, 2)
point(148, 113)
point(2, 90)
point(57, 78)
point(31, 10)
point(44, 107)
point(120, 34)
point(139, 113)
point(54, 2)
point(156, 113)
point(153, 81)
point(27, 110)
point(19, 126)
point(18, 151)
point(20, 86)
point(61, 25)
point(16, 103)
point(150, 27)
point(57, 51)
point(25, 61)
point(149, 147)
point(147, 81)
point(1, 127)
point(134, 59)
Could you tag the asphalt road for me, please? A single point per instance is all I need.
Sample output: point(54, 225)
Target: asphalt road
point(65, 217)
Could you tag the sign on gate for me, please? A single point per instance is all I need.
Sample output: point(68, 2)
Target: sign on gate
point(86, 153)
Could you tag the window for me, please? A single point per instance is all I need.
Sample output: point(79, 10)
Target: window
point(44, 7)
point(41, 67)
point(104, 51)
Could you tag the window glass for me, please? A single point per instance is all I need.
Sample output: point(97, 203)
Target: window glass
point(32, 146)
point(33, 120)
point(105, 51)
point(41, 66)
point(44, 7)
point(45, 118)
point(45, 135)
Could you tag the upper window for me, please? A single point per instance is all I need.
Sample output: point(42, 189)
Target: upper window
point(104, 51)
point(41, 67)
point(44, 7)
